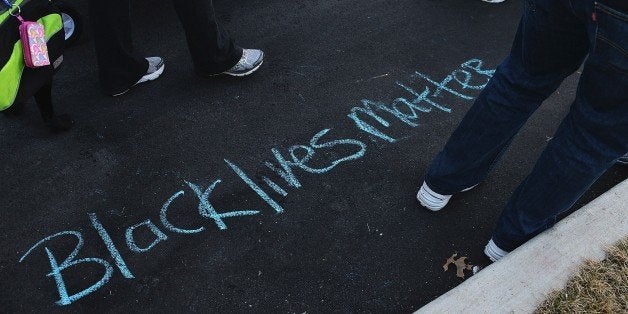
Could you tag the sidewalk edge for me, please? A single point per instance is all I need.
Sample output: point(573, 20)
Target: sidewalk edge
point(522, 279)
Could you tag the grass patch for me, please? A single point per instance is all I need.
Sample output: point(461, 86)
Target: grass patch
point(598, 287)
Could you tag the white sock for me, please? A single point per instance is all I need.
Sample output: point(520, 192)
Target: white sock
point(493, 252)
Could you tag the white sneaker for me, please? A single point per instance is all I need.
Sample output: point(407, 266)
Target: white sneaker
point(250, 61)
point(494, 1)
point(432, 200)
point(155, 69)
point(493, 251)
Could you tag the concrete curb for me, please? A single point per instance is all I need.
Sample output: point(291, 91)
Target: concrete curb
point(520, 281)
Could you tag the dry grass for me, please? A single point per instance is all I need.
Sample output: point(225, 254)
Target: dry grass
point(599, 287)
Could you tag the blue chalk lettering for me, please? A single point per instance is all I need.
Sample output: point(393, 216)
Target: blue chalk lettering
point(255, 187)
point(314, 142)
point(408, 119)
point(275, 187)
point(61, 287)
point(423, 97)
point(207, 210)
point(167, 224)
point(416, 102)
point(442, 86)
point(367, 117)
point(56, 269)
point(309, 152)
point(476, 64)
point(368, 110)
point(401, 115)
point(286, 169)
point(130, 239)
point(467, 79)
point(412, 104)
point(72, 255)
point(110, 246)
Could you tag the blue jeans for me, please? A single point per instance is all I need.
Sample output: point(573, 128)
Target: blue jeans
point(553, 39)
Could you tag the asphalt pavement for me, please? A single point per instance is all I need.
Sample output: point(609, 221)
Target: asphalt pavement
point(292, 190)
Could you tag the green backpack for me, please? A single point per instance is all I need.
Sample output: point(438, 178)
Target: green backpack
point(18, 82)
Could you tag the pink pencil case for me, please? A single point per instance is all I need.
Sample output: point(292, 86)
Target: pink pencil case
point(34, 44)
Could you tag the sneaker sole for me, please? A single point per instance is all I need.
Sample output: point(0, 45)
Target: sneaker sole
point(146, 78)
point(245, 73)
point(153, 76)
point(469, 188)
point(424, 197)
point(433, 208)
point(429, 206)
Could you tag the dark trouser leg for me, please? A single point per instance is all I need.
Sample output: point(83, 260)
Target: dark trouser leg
point(549, 45)
point(212, 50)
point(589, 140)
point(43, 97)
point(119, 67)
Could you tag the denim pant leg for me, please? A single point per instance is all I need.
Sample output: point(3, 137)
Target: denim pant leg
point(549, 45)
point(589, 140)
point(211, 48)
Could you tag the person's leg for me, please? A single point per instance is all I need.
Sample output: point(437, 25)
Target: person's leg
point(56, 123)
point(212, 50)
point(550, 44)
point(589, 140)
point(119, 66)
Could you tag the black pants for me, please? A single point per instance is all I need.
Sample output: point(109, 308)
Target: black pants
point(120, 68)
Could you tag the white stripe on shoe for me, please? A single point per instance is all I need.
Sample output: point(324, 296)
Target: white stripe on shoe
point(152, 76)
point(156, 67)
point(430, 199)
point(493, 251)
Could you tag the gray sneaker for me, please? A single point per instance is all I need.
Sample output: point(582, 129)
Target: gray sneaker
point(251, 60)
point(155, 68)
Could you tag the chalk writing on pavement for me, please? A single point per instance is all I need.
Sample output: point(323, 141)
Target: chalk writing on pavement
point(371, 120)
